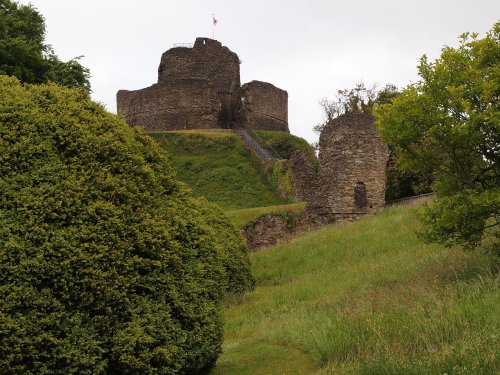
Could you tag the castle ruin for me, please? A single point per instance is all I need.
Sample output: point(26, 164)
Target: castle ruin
point(199, 88)
point(352, 167)
point(264, 107)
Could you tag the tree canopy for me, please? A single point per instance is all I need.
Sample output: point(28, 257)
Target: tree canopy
point(107, 264)
point(448, 124)
point(359, 99)
point(24, 53)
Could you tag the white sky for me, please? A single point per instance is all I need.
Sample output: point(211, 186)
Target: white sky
point(309, 48)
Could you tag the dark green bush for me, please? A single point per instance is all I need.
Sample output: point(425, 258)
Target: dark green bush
point(107, 264)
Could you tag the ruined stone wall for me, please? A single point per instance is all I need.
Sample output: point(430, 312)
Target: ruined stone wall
point(352, 167)
point(265, 107)
point(266, 231)
point(304, 177)
point(171, 105)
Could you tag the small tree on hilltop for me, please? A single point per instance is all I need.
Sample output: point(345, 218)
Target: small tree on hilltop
point(356, 100)
point(448, 124)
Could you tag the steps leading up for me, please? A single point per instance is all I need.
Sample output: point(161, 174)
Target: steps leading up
point(265, 155)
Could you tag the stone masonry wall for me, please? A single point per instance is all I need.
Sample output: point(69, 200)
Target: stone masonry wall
point(199, 87)
point(265, 107)
point(209, 60)
point(182, 104)
point(304, 178)
point(352, 167)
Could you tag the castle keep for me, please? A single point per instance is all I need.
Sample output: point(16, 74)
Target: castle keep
point(199, 88)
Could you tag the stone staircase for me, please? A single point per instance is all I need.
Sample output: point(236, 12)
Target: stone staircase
point(265, 155)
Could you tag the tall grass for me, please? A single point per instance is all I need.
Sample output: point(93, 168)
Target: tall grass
point(366, 298)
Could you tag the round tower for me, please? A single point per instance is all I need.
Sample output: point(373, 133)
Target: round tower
point(353, 162)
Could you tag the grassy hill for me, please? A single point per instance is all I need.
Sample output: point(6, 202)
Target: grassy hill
point(285, 143)
point(366, 298)
point(243, 216)
point(216, 165)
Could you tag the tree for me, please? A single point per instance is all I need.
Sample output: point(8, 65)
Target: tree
point(24, 54)
point(448, 125)
point(401, 182)
point(356, 100)
point(360, 99)
point(108, 265)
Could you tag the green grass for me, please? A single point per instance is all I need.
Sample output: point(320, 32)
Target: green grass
point(366, 298)
point(216, 165)
point(246, 215)
point(286, 143)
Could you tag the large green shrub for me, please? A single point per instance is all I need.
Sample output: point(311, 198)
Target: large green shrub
point(107, 264)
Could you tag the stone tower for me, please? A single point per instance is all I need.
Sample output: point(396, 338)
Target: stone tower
point(199, 88)
point(264, 107)
point(208, 60)
point(352, 166)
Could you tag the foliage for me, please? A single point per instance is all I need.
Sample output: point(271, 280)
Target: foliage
point(218, 166)
point(281, 179)
point(365, 298)
point(285, 143)
point(108, 265)
point(69, 74)
point(24, 54)
point(360, 99)
point(402, 183)
point(463, 218)
point(448, 125)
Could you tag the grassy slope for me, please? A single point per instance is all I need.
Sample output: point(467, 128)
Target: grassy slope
point(246, 215)
point(365, 298)
point(285, 143)
point(218, 166)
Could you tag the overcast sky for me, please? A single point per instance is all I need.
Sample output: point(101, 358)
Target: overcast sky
point(309, 48)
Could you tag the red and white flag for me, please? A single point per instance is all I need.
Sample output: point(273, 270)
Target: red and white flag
point(214, 20)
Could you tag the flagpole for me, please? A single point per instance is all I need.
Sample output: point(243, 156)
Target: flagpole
point(213, 27)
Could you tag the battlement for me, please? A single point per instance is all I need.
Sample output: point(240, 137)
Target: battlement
point(207, 42)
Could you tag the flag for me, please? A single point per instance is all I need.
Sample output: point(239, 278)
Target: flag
point(214, 20)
